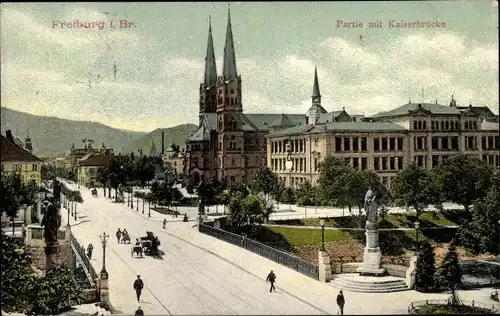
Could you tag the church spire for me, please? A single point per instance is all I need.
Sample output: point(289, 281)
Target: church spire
point(229, 66)
point(210, 65)
point(316, 84)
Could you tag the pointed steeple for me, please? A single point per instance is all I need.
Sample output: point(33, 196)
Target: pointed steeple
point(210, 78)
point(229, 66)
point(316, 84)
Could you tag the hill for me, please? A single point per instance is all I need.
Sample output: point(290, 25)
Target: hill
point(51, 136)
point(176, 135)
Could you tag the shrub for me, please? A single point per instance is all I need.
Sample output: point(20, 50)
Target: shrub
point(426, 268)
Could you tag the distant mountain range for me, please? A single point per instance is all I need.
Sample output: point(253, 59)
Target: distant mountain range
point(52, 136)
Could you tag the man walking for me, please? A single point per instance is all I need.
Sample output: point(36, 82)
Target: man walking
point(341, 302)
point(90, 247)
point(138, 285)
point(271, 277)
point(118, 235)
point(164, 223)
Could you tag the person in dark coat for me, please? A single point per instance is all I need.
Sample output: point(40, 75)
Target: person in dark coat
point(118, 235)
point(271, 277)
point(139, 312)
point(90, 247)
point(341, 302)
point(138, 286)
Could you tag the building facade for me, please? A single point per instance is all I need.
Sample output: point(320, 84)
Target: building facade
point(230, 145)
point(88, 165)
point(18, 159)
point(424, 134)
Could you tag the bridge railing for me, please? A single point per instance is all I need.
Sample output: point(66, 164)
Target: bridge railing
point(81, 256)
point(270, 253)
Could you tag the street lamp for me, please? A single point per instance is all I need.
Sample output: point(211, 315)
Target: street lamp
point(23, 232)
point(104, 240)
point(322, 224)
point(132, 198)
point(417, 225)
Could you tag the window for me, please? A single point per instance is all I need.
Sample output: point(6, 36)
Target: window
point(376, 144)
point(483, 142)
point(347, 144)
point(364, 163)
point(392, 165)
point(384, 144)
point(392, 144)
point(232, 163)
point(34, 167)
point(355, 163)
point(447, 125)
point(355, 144)
point(338, 144)
point(474, 125)
point(442, 125)
point(400, 163)
point(363, 144)
point(347, 160)
point(435, 143)
point(384, 163)
point(415, 125)
point(435, 161)
point(454, 143)
point(425, 124)
point(301, 146)
point(376, 163)
point(315, 164)
point(490, 142)
point(419, 124)
point(400, 143)
point(444, 143)
point(433, 125)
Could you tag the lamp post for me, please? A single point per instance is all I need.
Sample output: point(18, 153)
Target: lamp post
point(322, 224)
point(132, 197)
point(128, 198)
point(104, 240)
point(417, 225)
point(23, 232)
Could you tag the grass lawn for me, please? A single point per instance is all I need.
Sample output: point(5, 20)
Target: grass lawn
point(301, 236)
point(164, 210)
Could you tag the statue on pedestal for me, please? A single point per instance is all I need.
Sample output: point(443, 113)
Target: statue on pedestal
point(51, 222)
point(371, 207)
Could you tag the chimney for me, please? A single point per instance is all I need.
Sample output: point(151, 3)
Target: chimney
point(8, 134)
point(162, 142)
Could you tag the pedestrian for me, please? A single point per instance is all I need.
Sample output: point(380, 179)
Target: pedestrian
point(341, 303)
point(118, 235)
point(138, 285)
point(90, 247)
point(271, 277)
point(164, 223)
point(139, 312)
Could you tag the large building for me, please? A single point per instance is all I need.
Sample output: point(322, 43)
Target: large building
point(228, 144)
point(16, 158)
point(422, 133)
point(88, 165)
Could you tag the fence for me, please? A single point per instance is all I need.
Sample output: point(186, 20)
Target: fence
point(81, 256)
point(414, 306)
point(270, 253)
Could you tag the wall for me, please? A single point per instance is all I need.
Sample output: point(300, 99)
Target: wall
point(36, 244)
point(351, 267)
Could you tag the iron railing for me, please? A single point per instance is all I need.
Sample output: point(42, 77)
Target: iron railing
point(270, 253)
point(81, 256)
point(414, 306)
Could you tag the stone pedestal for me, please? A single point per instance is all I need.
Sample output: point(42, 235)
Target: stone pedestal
point(51, 252)
point(372, 256)
point(325, 268)
point(104, 287)
point(411, 272)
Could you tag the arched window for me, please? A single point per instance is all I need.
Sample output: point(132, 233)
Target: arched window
point(466, 125)
point(220, 124)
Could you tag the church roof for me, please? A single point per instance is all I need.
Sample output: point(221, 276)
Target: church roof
point(229, 65)
point(199, 135)
point(282, 121)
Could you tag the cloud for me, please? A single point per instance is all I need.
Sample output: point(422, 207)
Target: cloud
point(71, 74)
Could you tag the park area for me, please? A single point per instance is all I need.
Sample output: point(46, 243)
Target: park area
point(397, 237)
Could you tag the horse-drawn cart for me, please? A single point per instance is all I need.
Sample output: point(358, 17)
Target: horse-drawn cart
point(137, 249)
point(149, 245)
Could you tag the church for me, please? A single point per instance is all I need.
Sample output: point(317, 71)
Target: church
point(229, 145)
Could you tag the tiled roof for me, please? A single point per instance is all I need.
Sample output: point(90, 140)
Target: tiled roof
point(484, 111)
point(361, 127)
point(282, 121)
point(199, 135)
point(10, 152)
point(95, 160)
point(432, 107)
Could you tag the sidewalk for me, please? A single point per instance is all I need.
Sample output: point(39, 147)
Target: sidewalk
point(321, 295)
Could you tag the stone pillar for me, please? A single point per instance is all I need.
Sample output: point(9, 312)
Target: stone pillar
point(51, 251)
point(325, 268)
point(372, 256)
point(39, 211)
point(104, 287)
point(410, 272)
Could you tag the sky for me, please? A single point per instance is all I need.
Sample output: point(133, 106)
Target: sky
point(159, 60)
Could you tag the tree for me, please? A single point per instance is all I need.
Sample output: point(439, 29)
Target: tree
point(288, 196)
point(24, 291)
point(426, 268)
point(264, 181)
point(481, 234)
point(413, 187)
point(305, 194)
point(449, 272)
point(244, 210)
point(102, 176)
point(144, 169)
point(278, 190)
point(76, 197)
point(465, 178)
point(14, 194)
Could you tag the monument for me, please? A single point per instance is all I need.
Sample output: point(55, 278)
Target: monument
point(51, 222)
point(372, 256)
